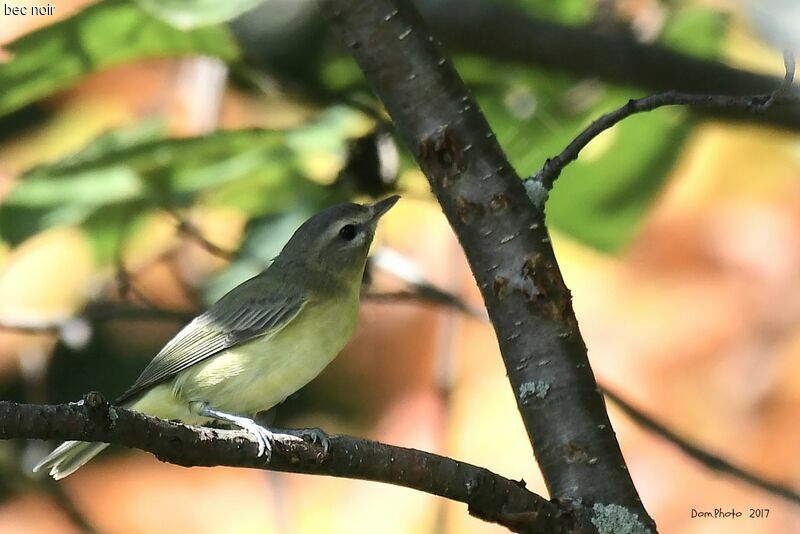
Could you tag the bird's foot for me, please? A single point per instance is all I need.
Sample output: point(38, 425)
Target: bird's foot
point(263, 437)
point(312, 435)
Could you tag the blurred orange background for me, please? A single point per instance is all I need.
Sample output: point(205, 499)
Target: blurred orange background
point(697, 322)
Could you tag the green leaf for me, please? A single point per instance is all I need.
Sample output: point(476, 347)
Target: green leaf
point(695, 30)
point(113, 141)
point(340, 73)
point(257, 171)
point(602, 198)
point(108, 226)
point(188, 14)
point(119, 168)
point(108, 33)
point(147, 155)
point(566, 11)
point(603, 202)
point(89, 188)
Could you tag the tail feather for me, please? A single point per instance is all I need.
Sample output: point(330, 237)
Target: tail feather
point(68, 457)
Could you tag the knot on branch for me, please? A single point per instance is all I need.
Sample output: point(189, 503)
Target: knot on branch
point(549, 297)
point(467, 210)
point(99, 409)
point(575, 453)
point(95, 401)
point(440, 155)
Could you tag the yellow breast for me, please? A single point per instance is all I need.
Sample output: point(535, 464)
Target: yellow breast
point(261, 373)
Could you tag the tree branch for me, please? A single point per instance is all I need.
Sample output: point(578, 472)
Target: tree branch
point(17, 479)
point(424, 295)
point(64, 501)
point(100, 312)
point(187, 228)
point(96, 312)
point(552, 168)
point(506, 244)
point(488, 496)
point(707, 459)
point(508, 33)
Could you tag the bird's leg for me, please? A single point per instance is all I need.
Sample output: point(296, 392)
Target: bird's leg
point(263, 437)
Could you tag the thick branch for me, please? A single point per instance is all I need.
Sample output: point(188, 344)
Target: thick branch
point(489, 496)
point(504, 32)
point(506, 243)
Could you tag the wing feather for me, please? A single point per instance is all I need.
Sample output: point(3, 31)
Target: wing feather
point(247, 312)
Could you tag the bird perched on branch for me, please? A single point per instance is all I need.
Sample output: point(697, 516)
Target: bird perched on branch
point(262, 341)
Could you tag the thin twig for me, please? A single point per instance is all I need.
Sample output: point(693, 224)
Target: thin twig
point(553, 167)
point(16, 478)
point(428, 295)
point(99, 312)
point(399, 266)
point(269, 83)
point(68, 506)
point(188, 229)
point(124, 280)
point(708, 459)
point(508, 33)
point(780, 93)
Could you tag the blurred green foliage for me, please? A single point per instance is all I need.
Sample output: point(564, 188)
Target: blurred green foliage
point(111, 186)
point(127, 171)
point(600, 200)
point(187, 14)
point(573, 12)
point(108, 33)
point(694, 30)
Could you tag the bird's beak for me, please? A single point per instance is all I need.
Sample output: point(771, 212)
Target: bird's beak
point(382, 206)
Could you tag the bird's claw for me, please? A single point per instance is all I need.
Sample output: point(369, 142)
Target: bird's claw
point(264, 438)
point(315, 436)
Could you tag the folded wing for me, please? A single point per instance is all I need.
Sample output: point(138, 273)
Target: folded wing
point(255, 308)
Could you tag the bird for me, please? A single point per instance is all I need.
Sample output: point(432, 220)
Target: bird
point(262, 341)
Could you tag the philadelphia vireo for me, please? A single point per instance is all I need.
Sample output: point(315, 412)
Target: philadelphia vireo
point(262, 341)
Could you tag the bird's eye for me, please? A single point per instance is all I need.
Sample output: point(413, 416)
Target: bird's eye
point(348, 232)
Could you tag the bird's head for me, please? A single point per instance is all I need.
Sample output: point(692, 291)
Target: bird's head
point(335, 242)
